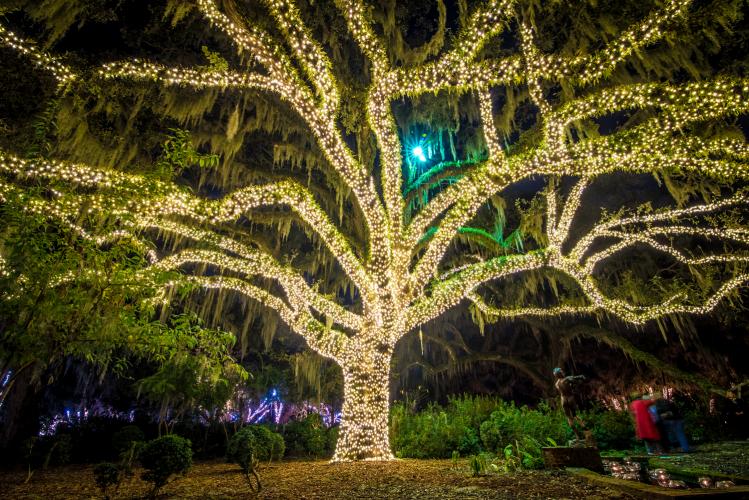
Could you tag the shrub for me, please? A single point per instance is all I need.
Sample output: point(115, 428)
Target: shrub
point(512, 425)
point(268, 445)
point(478, 464)
point(88, 437)
point(436, 432)
point(277, 447)
point(612, 430)
point(107, 474)
point(164, 457)
point(59, 450)
point(123, 440)
point(332, 439)
point(243, 450)
point(469, 425)
point(306, 437)
point(208, 440)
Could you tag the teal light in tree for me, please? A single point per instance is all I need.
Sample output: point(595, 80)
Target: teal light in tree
point(418, 153)
point(400, 275)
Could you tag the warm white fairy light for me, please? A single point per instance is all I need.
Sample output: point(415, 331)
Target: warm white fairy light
point(62, 73)
point(397, 294)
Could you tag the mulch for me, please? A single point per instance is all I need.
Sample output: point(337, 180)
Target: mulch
point(307, 480)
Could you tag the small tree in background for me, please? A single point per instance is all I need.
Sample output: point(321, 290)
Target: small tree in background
point(106, 475)
point(253, 444)
point(163, 458)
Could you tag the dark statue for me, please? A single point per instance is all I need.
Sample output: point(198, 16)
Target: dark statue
point(569, 388)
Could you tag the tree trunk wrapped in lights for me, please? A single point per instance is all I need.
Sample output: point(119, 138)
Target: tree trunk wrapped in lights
point(400, 275)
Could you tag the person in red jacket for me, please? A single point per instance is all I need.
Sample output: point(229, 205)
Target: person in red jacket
point(645, 427)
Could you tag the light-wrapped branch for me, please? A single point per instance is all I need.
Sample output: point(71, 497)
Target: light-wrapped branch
point(326, 341)
point(361, 28)
point(155, 199)
point(252, 262)
point(62, 73)
point(321, 123)
point(589, 68)
point(627, 232)
point(308, 52)
point(455, 287)
point(585, 243)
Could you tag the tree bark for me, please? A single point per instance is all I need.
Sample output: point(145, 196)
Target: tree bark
point(21, 418)
point(364, 422)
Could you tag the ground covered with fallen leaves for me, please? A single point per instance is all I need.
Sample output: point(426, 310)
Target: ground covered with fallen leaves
point(306, 480)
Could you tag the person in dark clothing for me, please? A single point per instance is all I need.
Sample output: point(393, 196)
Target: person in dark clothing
point(671, 422)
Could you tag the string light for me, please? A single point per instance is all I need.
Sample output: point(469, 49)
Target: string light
point(398, 276)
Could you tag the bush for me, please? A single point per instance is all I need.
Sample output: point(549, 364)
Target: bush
point(277, 447)
point(307, 437)
point(470, 425)
point(60, 450)
point(436, 432)
point(106, 474)
point(523, 427)
point(268, 445)
point(612, 430)
point(123, 439)
point(244, 450)
point(332, 439)
point(88, 436)
point(208, 441)
point(164, 457)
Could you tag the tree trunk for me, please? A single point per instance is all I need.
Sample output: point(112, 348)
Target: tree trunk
point(364, 422)
point(21, 407)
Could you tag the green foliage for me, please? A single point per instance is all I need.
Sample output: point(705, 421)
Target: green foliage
point(106, 475)
point(308, 437)
point(59, 450)
point(165, 457)
point(509, 425)
point(124, 439)
point(525, 455)
point(246, 448)
point(332, 439)
point(89, 314)
point(611, 429)
point(178, 154)
point(470, 425)
point(480, 464)
point(703, 426)
point(436, 432)
point(454, 458)
point(41, 452)
point(267, 445)
point(216, 63)
point(198, 370)
point(44, 128)
point(243, 448)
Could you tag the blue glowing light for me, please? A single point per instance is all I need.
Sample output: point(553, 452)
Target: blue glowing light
point(418, 152)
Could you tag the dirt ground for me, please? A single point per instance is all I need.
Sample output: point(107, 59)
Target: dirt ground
point(306, 480)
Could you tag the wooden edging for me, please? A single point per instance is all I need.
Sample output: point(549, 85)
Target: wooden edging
point(642, 490)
